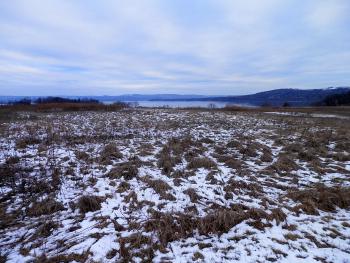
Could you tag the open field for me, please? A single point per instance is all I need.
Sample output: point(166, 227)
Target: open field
point(167, 185)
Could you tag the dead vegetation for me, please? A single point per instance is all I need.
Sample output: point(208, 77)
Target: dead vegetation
point(321, 197)
point(202, 162)
point(109, 153)
point(284, 164)
point(127, 170)
point(89, 203)
point(170, 227)
point(160, 187)
point(45, 207)
point(153, 177)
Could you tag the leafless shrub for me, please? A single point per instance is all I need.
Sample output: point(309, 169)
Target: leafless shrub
point(89, 203)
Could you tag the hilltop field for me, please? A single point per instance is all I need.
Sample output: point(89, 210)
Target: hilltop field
point(171, 185)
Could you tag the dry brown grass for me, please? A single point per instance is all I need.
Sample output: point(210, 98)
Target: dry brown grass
point(45, 207)
point(267, 156)
point(89, 203)
point(234, 144)
point(202, 162)
point(22, 143)
point(136, 245)
point(238, 187)
point(321, 197)
point(127, 170)
point(160, 187)
point(82, 156)
point(191, 192)
point(170, 227)
point(284, 164)
point(165, 161)
point(249, 150)
point(46, 228)
point(63, 258)
point(109, 153)
point(175, 149)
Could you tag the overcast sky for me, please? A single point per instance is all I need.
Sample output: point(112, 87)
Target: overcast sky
point(89, 47)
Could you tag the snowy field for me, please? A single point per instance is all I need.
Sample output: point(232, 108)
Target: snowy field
point(174, 186)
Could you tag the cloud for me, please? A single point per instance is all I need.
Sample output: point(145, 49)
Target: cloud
point(148, 46)
point(328, 14)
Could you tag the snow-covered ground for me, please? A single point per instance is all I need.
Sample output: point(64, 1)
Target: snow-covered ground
point(174, 186)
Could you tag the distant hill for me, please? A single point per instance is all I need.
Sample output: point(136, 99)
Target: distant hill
point(336, 100)
point(105, 98)
point(278, 97)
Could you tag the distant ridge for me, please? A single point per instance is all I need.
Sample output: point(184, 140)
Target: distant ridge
point(104, 98)
point(277, 97)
